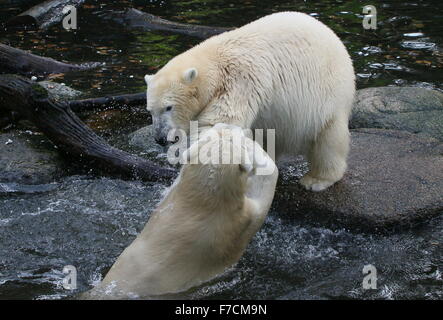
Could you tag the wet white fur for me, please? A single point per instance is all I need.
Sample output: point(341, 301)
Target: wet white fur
point(199, 229)
point(286, 71)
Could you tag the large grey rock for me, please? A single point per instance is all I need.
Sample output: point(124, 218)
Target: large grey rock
point(28, 159)
point(415, 110)
point(394, 178)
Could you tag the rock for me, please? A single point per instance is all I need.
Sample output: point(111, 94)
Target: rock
point(25, 159)
point(394, 178)
point(58, 91)
point(142, 141)
point(415, 110)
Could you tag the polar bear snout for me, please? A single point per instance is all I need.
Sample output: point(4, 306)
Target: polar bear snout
point(160, 130)
point(161, 139)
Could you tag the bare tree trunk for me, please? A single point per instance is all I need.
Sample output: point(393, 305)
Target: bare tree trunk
point(14, 60)
point(108, 102)
point(133, 18)
point(70, 134)
point(43, 15)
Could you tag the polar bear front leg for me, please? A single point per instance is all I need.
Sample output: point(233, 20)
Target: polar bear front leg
point(261, 182)
point(327, 156)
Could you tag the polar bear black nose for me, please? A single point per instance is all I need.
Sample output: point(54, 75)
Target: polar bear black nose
point(161, 140)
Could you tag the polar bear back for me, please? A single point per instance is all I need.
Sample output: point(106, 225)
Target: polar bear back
point(288, 71)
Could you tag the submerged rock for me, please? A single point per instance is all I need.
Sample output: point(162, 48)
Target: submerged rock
point(394, 178)
point(416, 110)
point(28, 159)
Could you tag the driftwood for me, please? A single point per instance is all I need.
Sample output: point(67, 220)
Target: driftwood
point(108, 102)
point(18, 61)
point(133, 18)
point(61, 125)
point(43, 15)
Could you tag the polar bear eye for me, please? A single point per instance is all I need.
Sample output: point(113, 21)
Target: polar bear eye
point(168, 108)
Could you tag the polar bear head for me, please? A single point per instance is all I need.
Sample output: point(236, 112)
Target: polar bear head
point(174, 97)
point(219, 163)
point(180, 91)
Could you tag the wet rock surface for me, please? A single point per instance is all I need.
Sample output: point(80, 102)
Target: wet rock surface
point(415, 110)
point(28, 158)
point(142, 142)
point(394, 178)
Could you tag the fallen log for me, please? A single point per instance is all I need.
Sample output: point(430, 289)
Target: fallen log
point(43, 15)
point(60, 124)
point(133, 18)
point(108, 102)
point(13, 60)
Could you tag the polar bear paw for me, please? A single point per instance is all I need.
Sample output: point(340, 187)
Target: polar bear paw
point(315, 184)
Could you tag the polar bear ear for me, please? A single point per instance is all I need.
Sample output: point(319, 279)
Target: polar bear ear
point(190, 75)
point(148, 78)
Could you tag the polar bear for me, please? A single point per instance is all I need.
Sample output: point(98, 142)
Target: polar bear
point(201, 227)
point(286, 71)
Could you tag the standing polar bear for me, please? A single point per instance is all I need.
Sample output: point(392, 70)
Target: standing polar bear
point(203, 224)
point(286, 71)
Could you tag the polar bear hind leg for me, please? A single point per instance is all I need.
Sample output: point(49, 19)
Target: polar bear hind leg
point(327, 155)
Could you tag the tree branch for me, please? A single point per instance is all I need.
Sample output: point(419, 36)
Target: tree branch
point(108, 102)
point(69, 133)
point(18, 61)
point(133, 18)
point(43, 15)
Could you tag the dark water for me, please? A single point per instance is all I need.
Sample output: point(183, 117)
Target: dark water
point(87, 221)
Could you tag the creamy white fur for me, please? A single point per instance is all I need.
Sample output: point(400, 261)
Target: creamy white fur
point(199, 229)
point(286, 71)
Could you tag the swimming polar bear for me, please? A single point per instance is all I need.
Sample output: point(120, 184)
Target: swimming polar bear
point(203, 224)
point(286, 71)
